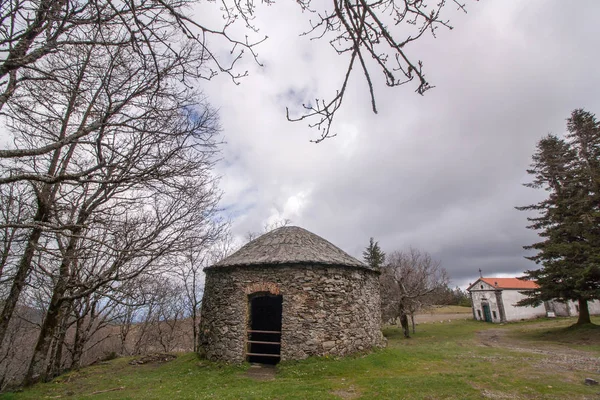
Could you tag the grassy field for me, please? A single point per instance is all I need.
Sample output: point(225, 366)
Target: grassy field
point(460, 360)
point(448, 310)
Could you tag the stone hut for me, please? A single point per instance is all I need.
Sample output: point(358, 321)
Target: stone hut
point(288, 295)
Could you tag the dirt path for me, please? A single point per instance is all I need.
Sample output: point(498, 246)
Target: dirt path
point(557, 357)
point(261, 372)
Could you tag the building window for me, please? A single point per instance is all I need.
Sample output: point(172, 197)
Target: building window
point(494, 314)
point(479, 313)
point(576, 308)
point(481, 286)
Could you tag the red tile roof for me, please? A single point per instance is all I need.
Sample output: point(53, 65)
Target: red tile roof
point(510, 283)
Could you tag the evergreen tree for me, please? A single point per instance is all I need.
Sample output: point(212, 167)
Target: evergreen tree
point(373, 255)
point(568, 220)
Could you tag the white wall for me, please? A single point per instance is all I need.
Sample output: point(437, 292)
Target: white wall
point(513, 313)
point(594, 307)
point(562, 309)
point(570, 308)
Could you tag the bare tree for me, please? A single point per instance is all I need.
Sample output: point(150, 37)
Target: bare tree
point(34, 30)
point(132, 298)
point(162, 231)
point(168, 320)
point(186, 270)
point(148, 334)
point(87, 322)
point(131, 184)
point(373, 35)
point(148, 161)
point(17, 347)
point(189, 273)
point(15, 211)
point(408, 281)
point(223, 246)
point(268, 227)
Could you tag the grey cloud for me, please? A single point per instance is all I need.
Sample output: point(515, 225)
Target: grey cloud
point(441, 172)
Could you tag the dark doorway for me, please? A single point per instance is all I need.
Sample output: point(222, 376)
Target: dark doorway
point(264, 328)
point(486, 313)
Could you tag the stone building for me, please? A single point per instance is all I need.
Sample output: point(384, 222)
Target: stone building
point(494, 300)
point(287, 295)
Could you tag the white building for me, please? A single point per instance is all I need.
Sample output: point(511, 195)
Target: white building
point(494, 300)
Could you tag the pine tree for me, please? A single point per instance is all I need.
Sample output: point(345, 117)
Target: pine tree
point(568, 220)
point(373, 255)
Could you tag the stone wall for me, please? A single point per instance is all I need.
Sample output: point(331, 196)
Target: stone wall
point(326, 310)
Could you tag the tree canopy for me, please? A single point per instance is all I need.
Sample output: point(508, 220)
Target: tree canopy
point(568, 220)
point(373, 255)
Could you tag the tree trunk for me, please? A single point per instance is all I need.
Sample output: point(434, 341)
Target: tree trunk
point(195, 330)
point(584, 313)
point(55, 348)
point(56, 309)
point(20, 277)
point(123, 337)
point(404, 323)
point(77, 353)
point(55, 362)
point(78, 343)
point(36, 370)
point(44, 200)
point(412, 320)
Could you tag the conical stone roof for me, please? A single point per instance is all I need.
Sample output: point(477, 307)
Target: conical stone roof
point(289, 245)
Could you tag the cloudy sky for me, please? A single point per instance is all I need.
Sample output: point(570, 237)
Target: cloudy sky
point(441, 172)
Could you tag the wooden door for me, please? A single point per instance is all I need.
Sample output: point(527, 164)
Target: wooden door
point(486, 313)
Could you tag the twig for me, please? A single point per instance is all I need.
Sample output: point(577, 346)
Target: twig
point(108, 390)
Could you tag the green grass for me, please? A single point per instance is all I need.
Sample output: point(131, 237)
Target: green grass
point(448, 310)
point(563, 332)
point(442, 361)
